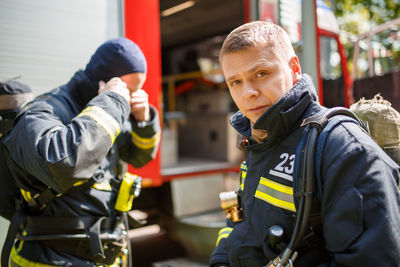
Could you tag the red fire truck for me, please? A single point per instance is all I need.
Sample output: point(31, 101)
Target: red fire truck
point(196, 24)
point(198, 157)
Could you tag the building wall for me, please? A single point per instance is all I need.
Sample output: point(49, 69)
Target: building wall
point(46, 41)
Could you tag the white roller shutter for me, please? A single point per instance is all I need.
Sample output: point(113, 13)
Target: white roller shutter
point(46, 41)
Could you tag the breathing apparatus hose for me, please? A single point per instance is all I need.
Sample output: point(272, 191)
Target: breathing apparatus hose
point(309, 181)
point(315, 125)
point(306, 189)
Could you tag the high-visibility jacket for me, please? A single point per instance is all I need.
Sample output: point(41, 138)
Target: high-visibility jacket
point(71, 141)
point(358, 197)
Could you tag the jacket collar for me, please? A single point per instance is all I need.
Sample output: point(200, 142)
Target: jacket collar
point(80, 89)
point(282, 117)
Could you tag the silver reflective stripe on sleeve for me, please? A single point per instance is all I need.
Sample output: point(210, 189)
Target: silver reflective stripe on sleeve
point(105, 120)
point(243, 173)
point(145, 142)
point(223, 233)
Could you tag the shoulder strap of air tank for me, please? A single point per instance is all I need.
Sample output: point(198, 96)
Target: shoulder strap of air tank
point(308, 211)
point(332, 116)
point(325, 122)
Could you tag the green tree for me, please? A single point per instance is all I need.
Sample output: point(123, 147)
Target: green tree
point(379, 11)
point(359, 16)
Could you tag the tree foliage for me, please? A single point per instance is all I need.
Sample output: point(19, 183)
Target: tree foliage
point(359, 16)
point(379, 11)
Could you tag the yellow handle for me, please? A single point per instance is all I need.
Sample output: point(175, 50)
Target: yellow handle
point(126, 193)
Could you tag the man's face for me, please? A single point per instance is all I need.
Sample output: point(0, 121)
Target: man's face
point(257, 78)
point(134, 81)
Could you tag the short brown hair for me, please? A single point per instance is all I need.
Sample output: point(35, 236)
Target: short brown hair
point(258, 33)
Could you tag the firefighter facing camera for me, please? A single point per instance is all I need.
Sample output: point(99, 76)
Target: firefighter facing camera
point(63, 155)
point(316, 190)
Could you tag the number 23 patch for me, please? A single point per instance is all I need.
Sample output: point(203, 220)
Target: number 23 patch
point(274, 192)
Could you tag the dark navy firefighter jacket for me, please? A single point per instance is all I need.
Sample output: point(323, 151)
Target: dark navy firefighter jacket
point(358, 195)
point(62, 142)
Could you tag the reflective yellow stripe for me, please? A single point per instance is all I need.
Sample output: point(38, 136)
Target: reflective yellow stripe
point(243, 173)
point(223, 233)
point(243, 176)
point(26, 194)
point(103, 186)
point(118, 262)
point(243, 166)
point(278, 187)
point(145, 142)
point(276, 194)
point(79, 183)
point(225, 229)
point(17, 260)
point(104, 119)
point(220, 237)
point(21, 243)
